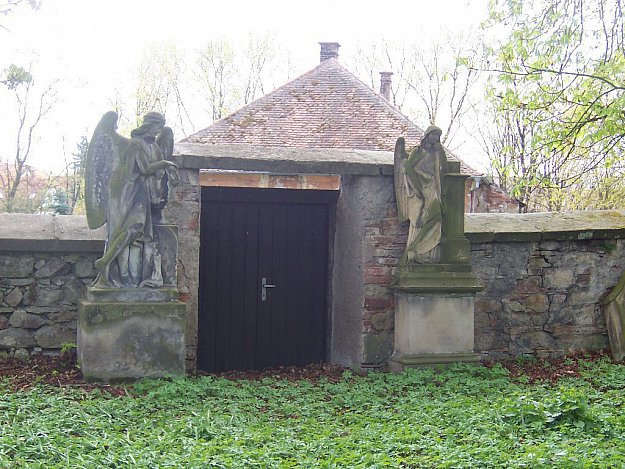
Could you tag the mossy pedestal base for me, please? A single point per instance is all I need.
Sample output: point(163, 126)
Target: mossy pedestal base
point(434, 316)
point(125, 340)
point(399, 363)
point(436, 278)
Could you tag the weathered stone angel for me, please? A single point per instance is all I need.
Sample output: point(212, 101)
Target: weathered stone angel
point(418, 187)
point(127, 188)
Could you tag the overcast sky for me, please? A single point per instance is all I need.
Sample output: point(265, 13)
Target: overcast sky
point(91, 46)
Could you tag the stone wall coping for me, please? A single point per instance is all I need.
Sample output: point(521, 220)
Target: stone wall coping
point(65, 233)
point(48, 233)
point(284, 160)
point(544, 226)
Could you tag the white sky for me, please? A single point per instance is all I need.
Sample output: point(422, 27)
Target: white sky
point(91, 45)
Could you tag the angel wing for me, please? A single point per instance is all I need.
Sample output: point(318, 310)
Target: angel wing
point(165, 141)
point(103, 154)
point(401, 190)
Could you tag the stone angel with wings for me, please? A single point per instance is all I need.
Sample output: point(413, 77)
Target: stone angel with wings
point(127, 185)
point(418, 187)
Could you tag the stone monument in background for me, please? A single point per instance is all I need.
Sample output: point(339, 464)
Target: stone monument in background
point(131, 324)
point(434, 284)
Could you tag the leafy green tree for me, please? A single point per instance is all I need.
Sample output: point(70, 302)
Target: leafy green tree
point(562, 68)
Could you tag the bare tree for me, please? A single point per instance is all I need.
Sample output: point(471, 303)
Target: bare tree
point(258, 55)
point(233, 74)
point(514, 161)
point(32, 107)
point(430, 80)
point(7, 7)
point(159, 83)
point(73, 179)
point(216, 72)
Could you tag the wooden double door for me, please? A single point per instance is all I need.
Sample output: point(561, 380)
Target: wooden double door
point(263, 277)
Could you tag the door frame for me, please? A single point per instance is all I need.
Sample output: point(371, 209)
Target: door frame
point(275, 195)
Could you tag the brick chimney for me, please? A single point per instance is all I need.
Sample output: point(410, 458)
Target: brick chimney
point(329, 50)
point(385, 85)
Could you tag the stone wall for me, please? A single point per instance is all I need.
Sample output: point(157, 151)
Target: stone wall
point(542, 298)
point(45, 263)
point(543, 276)
point(39, 295)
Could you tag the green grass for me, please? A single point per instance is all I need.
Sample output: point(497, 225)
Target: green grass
point(461, 417)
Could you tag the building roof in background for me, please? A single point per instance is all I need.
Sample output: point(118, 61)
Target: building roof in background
point(327, 107)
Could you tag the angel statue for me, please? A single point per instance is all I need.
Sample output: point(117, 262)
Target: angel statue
point(418, 192)
point(127, 185)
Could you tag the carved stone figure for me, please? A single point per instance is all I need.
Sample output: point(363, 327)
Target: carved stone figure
point(127, 187)
point(418, 189)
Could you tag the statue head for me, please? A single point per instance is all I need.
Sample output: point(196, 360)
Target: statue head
point(153, 123)
point(433, 134)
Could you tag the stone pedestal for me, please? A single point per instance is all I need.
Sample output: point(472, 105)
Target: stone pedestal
point(125, 334)
point(433, 328)
point(434, 315)
point(435, 301)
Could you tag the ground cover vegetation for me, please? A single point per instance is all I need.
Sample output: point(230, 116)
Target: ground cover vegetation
point(566, 413)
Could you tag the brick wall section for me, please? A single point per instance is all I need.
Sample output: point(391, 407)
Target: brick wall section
point(383, 244)
point(183, 210)
point(385, 240)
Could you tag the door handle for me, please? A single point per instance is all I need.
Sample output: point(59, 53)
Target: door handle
point(263, 288)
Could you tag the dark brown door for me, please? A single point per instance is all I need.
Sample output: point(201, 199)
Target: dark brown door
point(263, 278)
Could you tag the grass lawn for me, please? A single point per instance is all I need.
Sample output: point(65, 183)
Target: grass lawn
point(460, 417)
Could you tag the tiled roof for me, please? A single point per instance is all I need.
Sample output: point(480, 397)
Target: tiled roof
point(327, 107)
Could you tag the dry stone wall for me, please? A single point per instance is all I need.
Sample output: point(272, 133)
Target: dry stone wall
point(39, 295)
point(543, 276)
point(543, 283)
point(543, 297)
point(45, 263)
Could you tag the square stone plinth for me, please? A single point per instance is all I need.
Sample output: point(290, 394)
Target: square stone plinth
point(120, 341)
point(433, 329)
